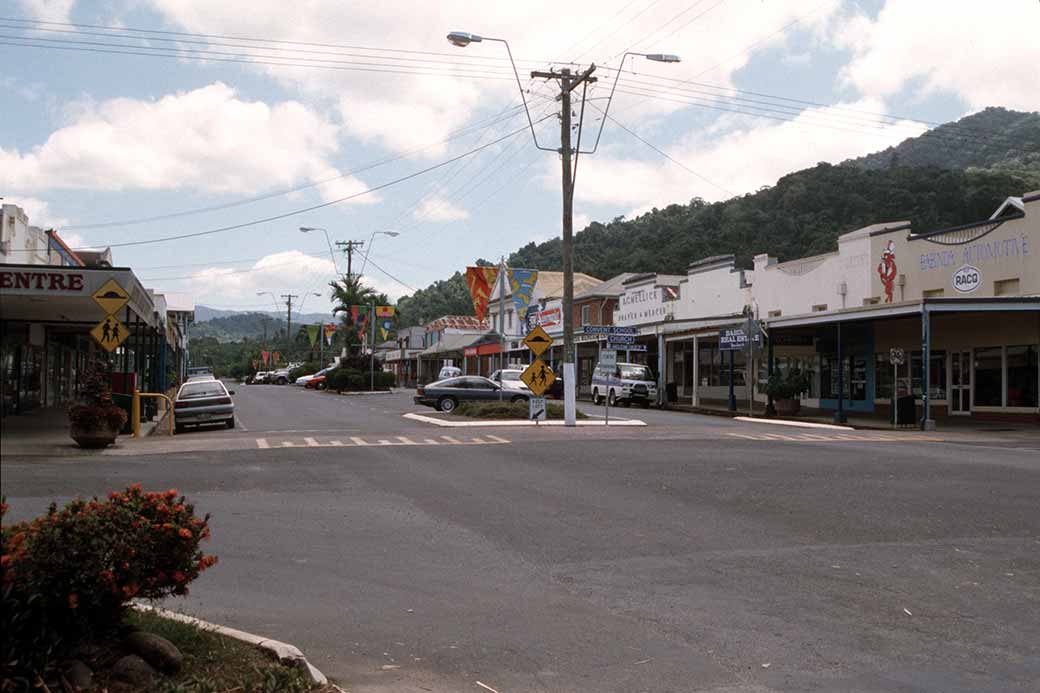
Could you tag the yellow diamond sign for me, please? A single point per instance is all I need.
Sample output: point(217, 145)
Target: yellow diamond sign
point(538, 377)
point(538, 341)
point(111, 297)
point(110, 333)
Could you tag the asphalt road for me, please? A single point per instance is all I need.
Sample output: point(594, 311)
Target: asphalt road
point(677, 557)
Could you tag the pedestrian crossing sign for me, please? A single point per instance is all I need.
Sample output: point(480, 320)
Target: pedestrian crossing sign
point(110, 333)
point(538, 377)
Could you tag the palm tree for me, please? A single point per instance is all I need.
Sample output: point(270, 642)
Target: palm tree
point(348, 292)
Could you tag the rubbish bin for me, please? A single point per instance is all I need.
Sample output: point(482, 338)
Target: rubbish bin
point(906, 411)
point(126, 403)
point(671, 393)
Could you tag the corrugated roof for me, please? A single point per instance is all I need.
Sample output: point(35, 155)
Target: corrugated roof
point(453, 342)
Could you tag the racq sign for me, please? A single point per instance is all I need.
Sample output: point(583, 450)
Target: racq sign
point(967, 279)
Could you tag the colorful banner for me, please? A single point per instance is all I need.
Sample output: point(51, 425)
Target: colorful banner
point(255, 363)
point(276, 357)
point(265, 355)
point(312, 334)
point(385, 311)
point(481, 281)
point(521, 283)
point(330, 332)
point(385, 327)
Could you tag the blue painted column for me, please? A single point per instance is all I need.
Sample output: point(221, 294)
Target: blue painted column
point(927, 424)
point(770, 409)
point(732, 395)
point(839, 415)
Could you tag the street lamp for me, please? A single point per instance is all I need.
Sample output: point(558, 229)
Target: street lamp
point(653, 57)
point(568, 82)
point(275, 298)
point(391, 234)
point(332, 255)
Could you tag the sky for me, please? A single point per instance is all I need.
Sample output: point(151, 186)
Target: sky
point(196, 137)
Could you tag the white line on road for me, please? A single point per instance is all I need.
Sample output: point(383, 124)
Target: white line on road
point(451, 440)
point(406, 440)
point(498, 439)
point(262, 443)
point(311, 443)
point(358, 441)
point(798, 424)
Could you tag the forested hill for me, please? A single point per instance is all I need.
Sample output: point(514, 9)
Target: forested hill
point(929, 180)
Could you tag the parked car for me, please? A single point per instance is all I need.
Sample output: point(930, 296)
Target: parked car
point(279, 377)
point(203, 402)
point(200, 373)
point(258, 378)
point(304, 380)
point(626, 383)
point(449, 372)
point(317, 382)
point(445, 395)
point(509, 378)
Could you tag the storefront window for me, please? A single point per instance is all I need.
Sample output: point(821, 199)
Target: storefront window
point(936, 375)
point(988, 382)
point(708, 366)
point(882, 377)
point(1022, 376)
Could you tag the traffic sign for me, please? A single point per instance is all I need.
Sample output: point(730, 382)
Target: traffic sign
point(609, 329)
point(608, 358)
point(537, 340)
point(625, 347)
point(621, 338)
point(537, 411)
point(538, 377)
point(110, 333)
point(896, 356)
point(111, 297)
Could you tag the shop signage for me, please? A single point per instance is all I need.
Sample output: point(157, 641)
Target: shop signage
point(643, 305)
point(626, 347)
point(967, 279)
point(622, 338)
point(736, 339)
point(537, 410)
point(30, 281)
point(538, 377)
point(610, 329)
point(469, 351)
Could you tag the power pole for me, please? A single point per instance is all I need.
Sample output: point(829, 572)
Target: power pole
point(288, 316)
point(568, 83)
point(349, 247)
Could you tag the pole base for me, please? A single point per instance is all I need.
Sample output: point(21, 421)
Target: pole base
point(840, 417)
point(928, 425)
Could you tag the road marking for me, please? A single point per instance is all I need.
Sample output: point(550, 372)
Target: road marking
point(288, 444)
point(311, 443)
point(262, 443)
point(400, 441)
point(479, 441)
point(430, 441)
point(450, 440)
point(406, 440)
point(497, 439)
point(336, 443)
point(837, 437)
point(357, 441)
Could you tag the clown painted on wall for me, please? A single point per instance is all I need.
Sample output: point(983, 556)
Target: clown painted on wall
point(886, 269)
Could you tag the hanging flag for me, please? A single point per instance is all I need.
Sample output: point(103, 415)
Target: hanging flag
point(265, 355)
point(385, 311)
point(480, 281)
point(521, 283)
point(385, 327)
point(254, 362)
point(276, 357)
point(312, 334)
point(330, 331)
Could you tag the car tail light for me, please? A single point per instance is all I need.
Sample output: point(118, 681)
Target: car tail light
point(224, 400)
point(181, 405)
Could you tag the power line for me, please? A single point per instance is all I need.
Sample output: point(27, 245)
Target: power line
point(318, 206)
point(371, 262)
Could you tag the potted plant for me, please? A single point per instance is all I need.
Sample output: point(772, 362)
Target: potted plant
point(785, 389)
point(97, 419)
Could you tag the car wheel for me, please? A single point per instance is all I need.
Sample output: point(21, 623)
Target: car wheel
point(645, 404)
point(319, 386)
point(283, 381)
point(179, 428)
point(612, 398)
point(518, 398)
point(596, 399)
point(447, 404)
point(626, 403)
point(230, 423)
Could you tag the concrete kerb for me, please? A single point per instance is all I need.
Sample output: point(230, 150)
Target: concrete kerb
point(512, 423)
point(286, 653)
point(795, 424)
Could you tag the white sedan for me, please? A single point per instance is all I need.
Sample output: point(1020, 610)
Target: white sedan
point(509, 379)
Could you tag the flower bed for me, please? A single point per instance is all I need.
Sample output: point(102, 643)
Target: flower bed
point(507, 410)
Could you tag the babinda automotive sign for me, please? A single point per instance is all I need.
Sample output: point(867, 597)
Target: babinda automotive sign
point(967, 279)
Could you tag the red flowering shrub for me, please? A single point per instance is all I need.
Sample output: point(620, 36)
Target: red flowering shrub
point(77, 568)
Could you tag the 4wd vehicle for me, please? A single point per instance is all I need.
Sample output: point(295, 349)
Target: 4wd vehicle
point(627, 383)
point(279, 377)
point(445, 395)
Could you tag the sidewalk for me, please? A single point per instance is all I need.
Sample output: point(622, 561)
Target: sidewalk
point(45, 431)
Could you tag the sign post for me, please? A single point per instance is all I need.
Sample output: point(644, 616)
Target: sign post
point(538, 376)
point(897, 357)
point(537, 409)
point(608, 360)
point(110, 332)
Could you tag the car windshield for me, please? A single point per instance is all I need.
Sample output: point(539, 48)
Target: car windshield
point(212, 388)
point(511, 375)
point(636, 373)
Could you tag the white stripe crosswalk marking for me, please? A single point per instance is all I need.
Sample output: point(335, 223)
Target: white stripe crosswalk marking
point(430, 441)
point(385, 442)
point(288, 444)
point(406, 440)
point(451, 440)
point(497, 439)
point(358, 441)
point(262, 443)
point(336, 443)
point(311, 443)
point(397, 441)
point(478, 441)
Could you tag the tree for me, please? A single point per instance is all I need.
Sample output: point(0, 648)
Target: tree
point(348, 292)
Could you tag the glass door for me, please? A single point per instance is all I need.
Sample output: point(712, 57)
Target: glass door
point(960, 382)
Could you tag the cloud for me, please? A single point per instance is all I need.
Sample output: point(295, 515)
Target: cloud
point(748, 154)
point(437, 208)
point(980, 52)
point(205, 140)
point(39, 213)
point(52, 10)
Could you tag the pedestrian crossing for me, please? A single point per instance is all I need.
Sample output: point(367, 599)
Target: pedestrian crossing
point(858, 436)
point(280, 443)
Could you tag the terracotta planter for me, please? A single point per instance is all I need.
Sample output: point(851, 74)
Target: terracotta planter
point(787, 407)
point(93, 438)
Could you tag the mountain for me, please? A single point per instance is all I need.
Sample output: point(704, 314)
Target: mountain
point(233, 326)
point(955, 173)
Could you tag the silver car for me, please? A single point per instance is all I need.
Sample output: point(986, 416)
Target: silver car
point(509, 379)
point(202, 402)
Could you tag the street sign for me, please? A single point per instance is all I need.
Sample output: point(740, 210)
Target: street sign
point(111, 297)
point(110, 333)
point(609, 329)
point(538, 377)
point(621, 338)
point(626, 347)
point(537, 340)
point(608, 358)
point(736, 339)
point(537, 411)
point(896, 356)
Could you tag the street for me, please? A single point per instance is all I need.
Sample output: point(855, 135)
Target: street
point(695, 554)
